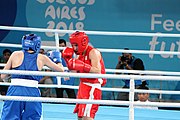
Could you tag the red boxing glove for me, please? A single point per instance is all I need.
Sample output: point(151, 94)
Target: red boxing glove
point(67, 53)
point(75, 64)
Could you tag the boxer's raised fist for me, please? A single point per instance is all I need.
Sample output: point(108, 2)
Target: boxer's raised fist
point(67, 53)
point(55, 56)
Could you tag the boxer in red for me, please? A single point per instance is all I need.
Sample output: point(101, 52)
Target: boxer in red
point(89, 61)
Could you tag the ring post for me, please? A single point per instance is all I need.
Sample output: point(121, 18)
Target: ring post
point(57, 48)
point(131, 99)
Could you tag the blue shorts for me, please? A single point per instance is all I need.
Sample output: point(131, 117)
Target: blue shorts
point(22, 110)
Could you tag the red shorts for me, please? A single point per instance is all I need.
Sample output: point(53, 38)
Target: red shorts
point(91, 93)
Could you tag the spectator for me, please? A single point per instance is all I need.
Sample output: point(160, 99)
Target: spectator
point(129, 62)
point(6, 54)
point(42, 51)
point(144, 97)
point(65, 80)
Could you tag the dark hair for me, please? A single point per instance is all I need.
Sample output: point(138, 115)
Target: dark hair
point(143, 87)
point(62, 41)
point(7, 51)
point(126, 49)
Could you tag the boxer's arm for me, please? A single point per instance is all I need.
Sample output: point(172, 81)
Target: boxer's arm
point(48, 62)
point(8, 65)
point(95, 57)
point(78, 65)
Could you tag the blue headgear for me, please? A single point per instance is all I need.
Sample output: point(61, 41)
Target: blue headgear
point(31, 42)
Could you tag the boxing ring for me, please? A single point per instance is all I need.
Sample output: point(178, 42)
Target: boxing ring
point(55, 112)
point(107, 111)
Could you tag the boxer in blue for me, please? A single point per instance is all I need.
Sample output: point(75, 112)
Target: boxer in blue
point(27, 85)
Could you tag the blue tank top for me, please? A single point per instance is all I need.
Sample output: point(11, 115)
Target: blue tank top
point(30, 64)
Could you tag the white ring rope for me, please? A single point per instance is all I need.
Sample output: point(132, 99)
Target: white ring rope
point(146, 72)
point(106, 89)
point(102, 50)
point(90, 32)
point(89, 75)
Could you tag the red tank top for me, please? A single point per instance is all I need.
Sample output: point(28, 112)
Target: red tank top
point(85, 59)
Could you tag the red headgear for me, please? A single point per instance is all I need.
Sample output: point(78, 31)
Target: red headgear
point(81, 39)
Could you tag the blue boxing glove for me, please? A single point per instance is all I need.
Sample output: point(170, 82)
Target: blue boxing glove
point(55, 56)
